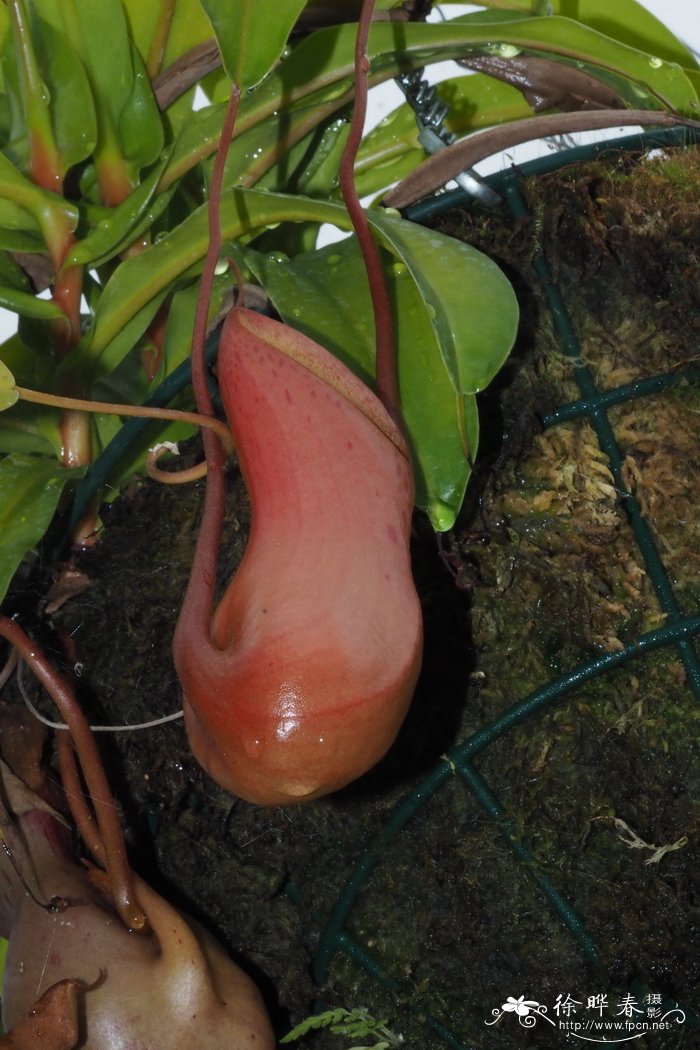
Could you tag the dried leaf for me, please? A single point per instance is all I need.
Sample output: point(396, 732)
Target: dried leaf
point(52, 1023)
point(547, 84)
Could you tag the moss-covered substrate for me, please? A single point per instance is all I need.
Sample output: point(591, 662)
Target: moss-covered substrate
point(449, 912)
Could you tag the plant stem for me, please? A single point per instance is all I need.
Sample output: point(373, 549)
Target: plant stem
point(47, 170)
point(199, 598)
point(110, 830)
point(74, 404)
point(385, 363)
point(159, 41)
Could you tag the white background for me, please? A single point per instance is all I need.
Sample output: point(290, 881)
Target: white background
point(681, 16)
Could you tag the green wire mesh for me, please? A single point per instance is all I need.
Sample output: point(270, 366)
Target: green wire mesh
point(678, 630)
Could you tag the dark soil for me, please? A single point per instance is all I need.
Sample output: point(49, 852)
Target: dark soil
point(450, 913)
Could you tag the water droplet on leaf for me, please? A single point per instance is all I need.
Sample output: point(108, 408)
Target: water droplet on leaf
point(504, 50)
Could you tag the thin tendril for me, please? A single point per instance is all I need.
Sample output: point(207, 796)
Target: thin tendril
point(385, 365)
point(152, 724)
point(205, 419)
point(199, 598)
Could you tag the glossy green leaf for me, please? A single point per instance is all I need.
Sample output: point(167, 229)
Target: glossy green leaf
point(292, 152)
point(392, 48)
point(197, 139)
point(12, 275)
point(30, 369)
point(140, 123)
point(27, 305)
point(275, 145)
point(140, 279)
point(472, 305)
point(177, 344)
point(330, 53)
point(19, 240)
point(128, 118)
point(641, 79)
point(99, 34)
point(70, 106)
point(15, 218)
point(625, 20)
point(443, 426)
point(47, 211)
point(138, 282)
point(30, 487)
point(123, 224)
point(30, 429)
point(62, 92)
point(189, 27)
point(125, 339)
point(325, 294)
point(8, 392)
point(251, 35)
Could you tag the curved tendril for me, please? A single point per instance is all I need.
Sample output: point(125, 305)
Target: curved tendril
point(171, 477)
point(205, 420)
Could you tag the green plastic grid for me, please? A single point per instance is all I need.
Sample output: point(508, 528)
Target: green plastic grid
point(679, 630)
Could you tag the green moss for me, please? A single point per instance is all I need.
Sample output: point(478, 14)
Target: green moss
point(449, 913)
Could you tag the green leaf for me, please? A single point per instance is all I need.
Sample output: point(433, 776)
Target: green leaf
point(154, 271)
point(325, 294)
point(196, 140)
point(123, 224)
point(330, 54)
point(151, 273)
point(71, 107)
point(30, 429)
point(394, 48)
point(27, 427)
point(17, 220)
point(8, 393)
point(472, 305)
point(291, 152)
point(27, 305)
point(626, 20)
point(30, 487)
point(314, 1022)
point(125, 340)
point(128, 118)
point(189, 26)
point(177, 344)
point(12, 275)
point(251, 35)
point(47, 210)
point(140, 123)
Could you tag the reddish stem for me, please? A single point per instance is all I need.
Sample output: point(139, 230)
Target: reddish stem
point(199, 598)
point(110, 830)
point(67, 291)
point(113, 176)
point(385, 363)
